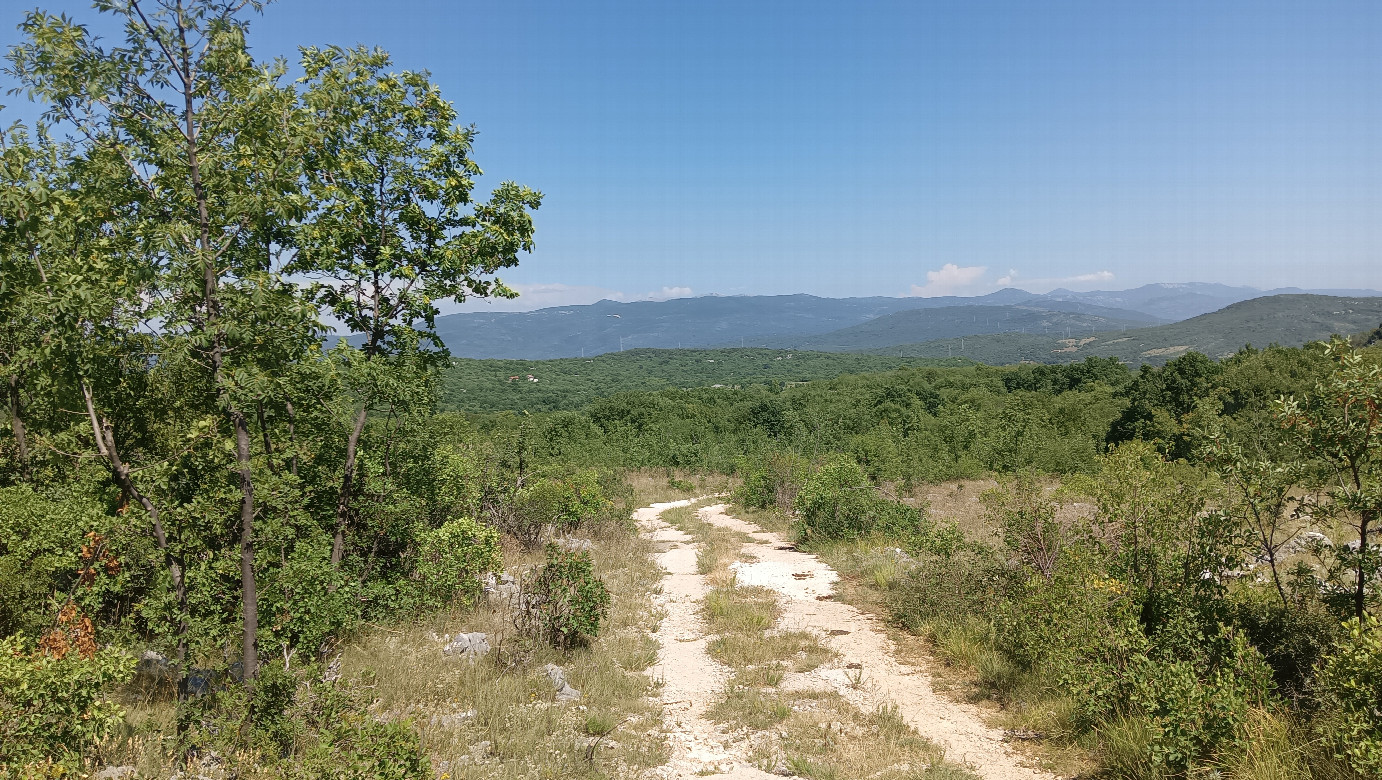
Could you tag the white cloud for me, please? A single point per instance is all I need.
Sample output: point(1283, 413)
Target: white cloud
point(951, 279)
point(1097, 276)
point(667, 293)
point(1042, 285)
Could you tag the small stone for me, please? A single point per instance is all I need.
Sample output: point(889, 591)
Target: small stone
point(468, 646)
point(557, 676)
point(573, 545)
point(153, 664)
point(451, 720)
point(116, 772)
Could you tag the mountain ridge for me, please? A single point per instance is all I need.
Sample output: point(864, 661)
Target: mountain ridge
point(793, 320)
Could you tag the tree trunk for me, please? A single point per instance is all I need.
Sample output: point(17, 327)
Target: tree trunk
point(264, 434)
point(292, 439)
point(249, 591)
point(120, 471)
point(17, 425)
point(347, 482)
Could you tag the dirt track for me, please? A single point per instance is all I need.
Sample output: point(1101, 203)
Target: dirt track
point(693, 681)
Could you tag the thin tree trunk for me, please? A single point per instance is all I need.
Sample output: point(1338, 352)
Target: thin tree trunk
point(347, 483)
point(292, 438)
point(249, 591)
point(264, 433)
point(17, 425)
point(105, 445)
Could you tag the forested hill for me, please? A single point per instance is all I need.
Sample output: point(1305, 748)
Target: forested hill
point(1288, 320)
point(917, 325)
point(795, 321)
point(571, 383)
point(609, 326)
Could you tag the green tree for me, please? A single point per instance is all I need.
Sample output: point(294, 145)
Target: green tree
point(1340, 424)
point(394, 228)
point(196, 145)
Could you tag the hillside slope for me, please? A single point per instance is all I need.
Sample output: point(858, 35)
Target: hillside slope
point(919, 325)
point(609, 326)
point(1289, 320)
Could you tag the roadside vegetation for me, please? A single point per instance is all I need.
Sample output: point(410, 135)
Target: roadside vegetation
point(1204, 599)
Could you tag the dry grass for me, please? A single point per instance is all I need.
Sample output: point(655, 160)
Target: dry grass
point(653, 486)
point(517, 729)
point(818, 734)
point(718, 547)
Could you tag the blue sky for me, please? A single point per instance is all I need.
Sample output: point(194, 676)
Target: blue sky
point(895, 148)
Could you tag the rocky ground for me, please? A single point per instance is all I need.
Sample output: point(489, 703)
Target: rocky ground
point(864, 670)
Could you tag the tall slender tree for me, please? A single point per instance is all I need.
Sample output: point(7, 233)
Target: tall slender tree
point(208, 140)
point(394, 227)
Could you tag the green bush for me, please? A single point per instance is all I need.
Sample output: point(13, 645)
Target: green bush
point(771, 479)
point(43, 540)
point(451, 560)
point(972, 580)
point(54, 705)
point(563, 505)
point(1350, 690)
point(838, 502)
point(351, 744)
point(564, 601)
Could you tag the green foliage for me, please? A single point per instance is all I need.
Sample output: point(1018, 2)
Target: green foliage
point(56, 705)
point(838, 502)
point(561, 505)
point(56, 549)
point(564, 601)
point(451, 560)
point(772, 478)
point(1339, 424)
point(1159, 400)
point(573, 383)
point(1350, 685)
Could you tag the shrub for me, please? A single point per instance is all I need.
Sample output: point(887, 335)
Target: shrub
point(771, 479)
point(362, 748)
point(452, 558)
point(971, 580)
point(1350, 688)
point(564, 602)
point(350, 744)
point(563, 505)
point(67, 546)
point(838, 502)
point(53, 703)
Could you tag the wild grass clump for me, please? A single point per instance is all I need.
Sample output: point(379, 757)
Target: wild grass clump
point(827, 737)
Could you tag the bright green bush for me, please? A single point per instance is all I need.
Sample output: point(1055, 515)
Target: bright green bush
point(451, 560)
point(562, 505)
point(564, 601)
point(56, 706)
point(1350, 690)
point(838, 502)
point(771, 479)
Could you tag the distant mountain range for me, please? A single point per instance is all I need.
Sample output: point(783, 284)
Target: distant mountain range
point(1289, 320)
point(843, 324)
